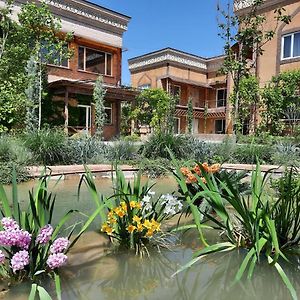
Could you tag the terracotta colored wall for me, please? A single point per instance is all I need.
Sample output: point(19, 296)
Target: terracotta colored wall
point(73, 73)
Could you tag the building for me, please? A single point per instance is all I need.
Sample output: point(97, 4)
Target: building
point(189, 77)
point(282, 53)
point(97, 47)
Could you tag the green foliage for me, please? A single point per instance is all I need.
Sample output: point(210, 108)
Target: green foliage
point(281, 101)
point(48, 146)
point(121, 151)
point(190, 116)
point(151, 108)
point(35, 36)
point(98, 98)
point(249, 35)
point(158, 144)
point(242, 223)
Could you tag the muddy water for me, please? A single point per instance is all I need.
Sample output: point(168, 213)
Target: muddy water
point(94, 271)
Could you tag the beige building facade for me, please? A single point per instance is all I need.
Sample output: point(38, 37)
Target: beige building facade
point(189, 77)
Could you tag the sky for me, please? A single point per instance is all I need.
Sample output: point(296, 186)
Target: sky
point(189, 25)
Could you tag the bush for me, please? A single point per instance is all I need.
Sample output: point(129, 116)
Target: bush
point(121, 151)
point(286, 154)
point(86, 149)
point(202, 151)
point(224, 151)
point(158, 144)
point(248, 154)
point(13, 155)
point(154, 168)
point(48, 146)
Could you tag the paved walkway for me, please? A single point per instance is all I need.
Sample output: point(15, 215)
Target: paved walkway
point(79, 169)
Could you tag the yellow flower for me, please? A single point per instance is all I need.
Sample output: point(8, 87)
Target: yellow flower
point(107, 229)
point(131, 228)
point(138, 205)
point(155, 225)
point(149, 233)
point(133, 204)
point(137, 219)
point(120, 212)
point(140, 227)
point(110, 214)
point(124, 205)
point(147, 224)
point(112, 220)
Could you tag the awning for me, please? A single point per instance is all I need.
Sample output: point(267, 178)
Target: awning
point(120, 93)
point(186, 81)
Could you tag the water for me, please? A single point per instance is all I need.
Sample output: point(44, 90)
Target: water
point(96, 272)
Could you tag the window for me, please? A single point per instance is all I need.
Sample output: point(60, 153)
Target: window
point(220, 126)
point(290, 46)
point(175, 90)
point(145, 86)
point(94, 61)
point(108, 113)
point(221, 97)
point(52, 56)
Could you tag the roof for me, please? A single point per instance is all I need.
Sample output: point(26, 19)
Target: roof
point(187, 81)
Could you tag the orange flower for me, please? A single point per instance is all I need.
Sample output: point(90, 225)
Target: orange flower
point(185, 171)
point(203, 180)
point(149, 233)
point(205, 166)
point(131, 228)
point(197, 170)
point(215, 168)
point(191, 179)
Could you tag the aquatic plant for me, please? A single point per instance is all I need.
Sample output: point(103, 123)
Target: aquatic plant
point(30, 246)
point(244, 221)
point(130, 216)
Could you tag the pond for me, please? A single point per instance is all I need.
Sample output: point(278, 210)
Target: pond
point(96, 272)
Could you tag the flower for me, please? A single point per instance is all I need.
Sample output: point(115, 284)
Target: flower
point(123, 205)
point(131, 228)
point(120, 212)
point(140, 227)
point(15, 237)
point(147, 224)
point(132, 204)
point(137, 219)
point(149, 233)
point(172, 205)
point(9, 224)
point(107, 229)
point(155, 225)
point(20, 260)
point(59, 245)
point(45, 235)
point(2, 258)
point(56, 260)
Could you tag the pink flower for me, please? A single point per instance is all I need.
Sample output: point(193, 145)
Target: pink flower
point(20, 260)
point(2, 258)
point(15, 237)
point(45, 235)
point(9, 223)
point(59, 245)
point(56, 260)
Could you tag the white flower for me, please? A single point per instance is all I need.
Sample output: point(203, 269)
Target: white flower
point(172, 205)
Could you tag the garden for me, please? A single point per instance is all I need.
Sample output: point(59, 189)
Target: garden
point(180, 227)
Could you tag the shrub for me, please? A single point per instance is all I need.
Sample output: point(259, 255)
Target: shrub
point(154, 168)
point(13, 155)
point(286, 154)
point(202, 151)
point(48, 146)
point(158, 145)
point(121, 151)
point(248, 154)
point(224, 151)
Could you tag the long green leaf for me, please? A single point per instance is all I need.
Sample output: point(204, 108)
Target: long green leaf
point(57, 286)
point(43, 293)
point(5, 202)
point(32, 292)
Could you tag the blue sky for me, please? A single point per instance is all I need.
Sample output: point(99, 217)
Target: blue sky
point(189, 25)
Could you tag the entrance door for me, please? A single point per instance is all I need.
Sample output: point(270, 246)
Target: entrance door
point(195, 126)
point(85, 117)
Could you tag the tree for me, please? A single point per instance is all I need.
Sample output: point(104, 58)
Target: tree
point(249, 101)
point(244, 36)
point(190, 116)
point(281, 100)
point(151, 108)
point(36, 36)
point(98, 97)
point(32, 92)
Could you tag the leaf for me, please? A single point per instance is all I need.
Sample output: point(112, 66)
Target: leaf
point(43, 293)
point(32, 292)
point(5, 203)
point(57, 286)
point(188, 265)
point(284, 278)
point(192, 226)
